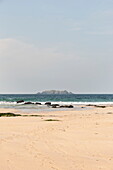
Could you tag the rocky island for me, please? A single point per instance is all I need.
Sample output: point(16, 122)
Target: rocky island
point(59, 92)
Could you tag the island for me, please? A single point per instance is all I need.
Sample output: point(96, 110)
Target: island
point(59, 92)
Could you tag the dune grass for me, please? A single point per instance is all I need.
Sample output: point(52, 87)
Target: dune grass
point(9, 115)
point(52, 120)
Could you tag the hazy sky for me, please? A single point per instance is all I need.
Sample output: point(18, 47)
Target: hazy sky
point(56, 44)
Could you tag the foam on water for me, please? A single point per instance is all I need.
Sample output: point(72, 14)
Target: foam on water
point(7, 103)
point(4, 103)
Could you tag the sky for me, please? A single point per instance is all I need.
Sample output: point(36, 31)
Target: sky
point(61, 45)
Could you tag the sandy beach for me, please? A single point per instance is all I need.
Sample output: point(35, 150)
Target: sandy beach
point(76, 140)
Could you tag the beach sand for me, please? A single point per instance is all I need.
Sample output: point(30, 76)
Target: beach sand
point(80, 140)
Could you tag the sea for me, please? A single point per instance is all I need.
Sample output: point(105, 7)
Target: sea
point(10, 100)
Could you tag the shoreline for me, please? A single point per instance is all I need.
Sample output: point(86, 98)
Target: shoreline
point(28, 108)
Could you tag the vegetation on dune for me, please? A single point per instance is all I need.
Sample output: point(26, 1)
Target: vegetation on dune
point(52, 120)
point(14, 115)
point(9, 115)
point(36, 115)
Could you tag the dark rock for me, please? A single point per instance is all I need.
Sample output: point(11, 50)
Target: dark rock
point(28, 103)
point(62, 106)
point(38, 103)
point(100, 106)
point(55, 105)
point(70, 106)
point(90, 105)
point(66, 106)
point(48, 103)
point(20, 101)
point(94, 105)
